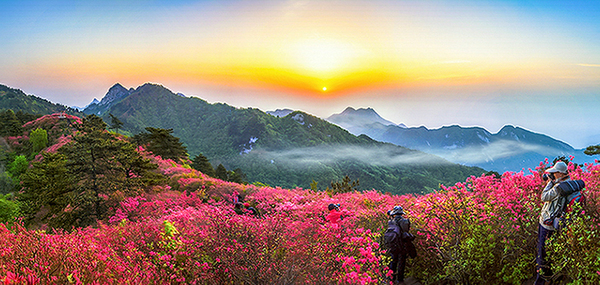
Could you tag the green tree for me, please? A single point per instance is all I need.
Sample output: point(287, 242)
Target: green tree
point(6, 183)
point(88, 176)
point(201, 163)
point(115, 123)
point(592, 150)
point(18, 167)
point(345, 186)
point(103, 165)
point(221, 172)
point(313, 185)
point(9, 209)
point(10, 124)
point(38, 139)
point(236, 176)
point(162, 143)
point(48, 189)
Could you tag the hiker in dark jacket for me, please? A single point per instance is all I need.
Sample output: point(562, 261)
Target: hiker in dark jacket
point(400, 252)
point(552, 203)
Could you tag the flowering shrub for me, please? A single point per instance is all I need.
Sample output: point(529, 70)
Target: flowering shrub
point(481, 231)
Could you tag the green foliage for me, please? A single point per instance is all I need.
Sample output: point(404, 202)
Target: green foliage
point(9, 124)
point(221, 172)
point(345, 186)
point(592, 150)
point(6, 182)
point(201, 163)
point(161, 142)
point(115, 123)
point(251, 140)
point(47, 190)
point(16, 100)
point(18, 167)
point(237, 176)
point(89, 175)
point(38, 139)
point(574, 250)
point(314, 186)
point(9, 209)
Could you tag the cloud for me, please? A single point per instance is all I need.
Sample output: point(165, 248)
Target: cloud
point(387, 155)
point(589, 65)
point(494, 151)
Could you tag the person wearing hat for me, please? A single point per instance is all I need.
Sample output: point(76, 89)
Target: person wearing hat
point(399, 255)
point(335, 215)
point(552, 202)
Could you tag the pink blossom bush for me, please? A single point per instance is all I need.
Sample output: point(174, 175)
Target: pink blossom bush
point(186, 232)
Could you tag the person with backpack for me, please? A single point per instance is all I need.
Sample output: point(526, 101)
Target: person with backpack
point(398, 241)
point(553, 205)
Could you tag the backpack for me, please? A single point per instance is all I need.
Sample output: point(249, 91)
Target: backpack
point(570, 192)
point(391, 237)
point(404, 225)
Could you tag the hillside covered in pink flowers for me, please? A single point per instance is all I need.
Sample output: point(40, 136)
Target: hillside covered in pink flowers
point(159, 221)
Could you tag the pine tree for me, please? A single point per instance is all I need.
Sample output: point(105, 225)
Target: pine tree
point(48, 184)
point(162, 143)
point(201, 163)
point(592, 150)
point(78, 184)
point(236, 176)
point(115, 123)
point(347, 185)
point(221, 172)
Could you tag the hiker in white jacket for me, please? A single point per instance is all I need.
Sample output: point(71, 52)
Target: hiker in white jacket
point(552, 202)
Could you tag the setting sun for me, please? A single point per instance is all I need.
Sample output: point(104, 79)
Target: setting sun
point(324, 88)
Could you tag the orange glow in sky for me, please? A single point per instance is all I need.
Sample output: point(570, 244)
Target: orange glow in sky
point(336, 53)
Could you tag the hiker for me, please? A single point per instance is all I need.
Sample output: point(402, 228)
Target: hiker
point(336, 215)
point(553, 202)
point(245, 208)
point(252, 210)
point(399, 241)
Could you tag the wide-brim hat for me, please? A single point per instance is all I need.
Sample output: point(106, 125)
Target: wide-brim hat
point(558, 167)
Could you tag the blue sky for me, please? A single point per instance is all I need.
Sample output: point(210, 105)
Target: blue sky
point(533, 64)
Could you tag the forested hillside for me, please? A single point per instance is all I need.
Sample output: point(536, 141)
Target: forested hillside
point(16, 100)
point(288, 152)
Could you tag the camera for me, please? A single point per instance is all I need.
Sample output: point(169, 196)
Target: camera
point(547, 176)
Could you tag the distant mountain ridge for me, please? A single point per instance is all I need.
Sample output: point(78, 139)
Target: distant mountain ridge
point(511, 149)
point(287, 151)
point(17, 100)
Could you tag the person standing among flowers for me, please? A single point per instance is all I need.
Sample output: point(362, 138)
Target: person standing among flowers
point(552, 203)
point(336, 215)
point(404, 246)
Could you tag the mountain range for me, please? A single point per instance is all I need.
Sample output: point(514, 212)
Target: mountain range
point(510, 149)
point(287, 149)
point(290, 148)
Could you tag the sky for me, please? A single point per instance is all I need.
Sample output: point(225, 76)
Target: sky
point(488, 63)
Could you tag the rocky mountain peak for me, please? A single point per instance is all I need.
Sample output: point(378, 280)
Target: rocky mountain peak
point(116, 93)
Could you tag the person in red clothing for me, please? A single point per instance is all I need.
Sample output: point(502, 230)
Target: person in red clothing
point(335, 216)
